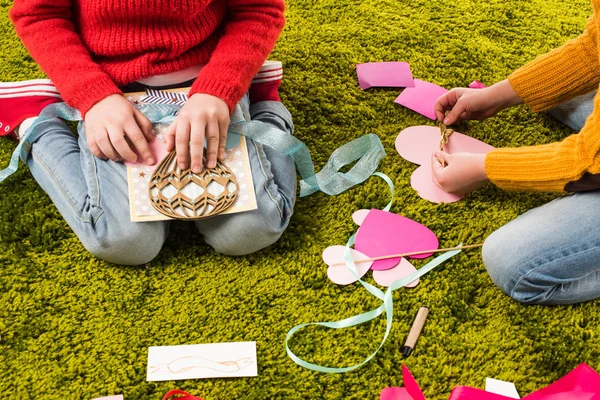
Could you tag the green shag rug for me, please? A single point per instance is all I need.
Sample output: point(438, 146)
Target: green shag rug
point(72, 326)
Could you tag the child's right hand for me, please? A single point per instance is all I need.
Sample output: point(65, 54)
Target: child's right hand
point(112, 124)
point(463, 103)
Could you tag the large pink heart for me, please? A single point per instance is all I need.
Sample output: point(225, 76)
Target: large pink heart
point(383, 233)
point(416, 144)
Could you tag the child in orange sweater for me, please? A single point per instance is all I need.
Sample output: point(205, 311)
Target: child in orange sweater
point(549, 255)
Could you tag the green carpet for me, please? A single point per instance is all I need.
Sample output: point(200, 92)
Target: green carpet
point(75, 327)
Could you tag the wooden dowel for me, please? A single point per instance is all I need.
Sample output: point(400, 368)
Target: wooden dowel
point(414, 253)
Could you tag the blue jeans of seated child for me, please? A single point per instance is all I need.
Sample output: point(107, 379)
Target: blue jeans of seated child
point(92, 196)
point(551, 254)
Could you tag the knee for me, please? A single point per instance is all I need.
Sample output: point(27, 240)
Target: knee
point(509, 266)
point(504, 264)
point(251, 241)
point(246, 233)
point(497, 263)
point(131, 244)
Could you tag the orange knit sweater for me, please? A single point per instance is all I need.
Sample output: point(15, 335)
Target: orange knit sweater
point(570, 165)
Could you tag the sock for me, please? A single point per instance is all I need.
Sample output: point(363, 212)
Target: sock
point(22, 100)
point(265, 85)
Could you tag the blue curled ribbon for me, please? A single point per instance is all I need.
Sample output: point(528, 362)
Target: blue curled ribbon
point(386, 307)
point(366, 151)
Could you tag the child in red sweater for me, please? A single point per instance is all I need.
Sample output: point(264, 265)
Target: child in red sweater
point(93, 51)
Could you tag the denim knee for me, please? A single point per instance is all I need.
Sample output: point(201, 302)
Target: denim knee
point(509, 266)
point(127, 244)
point(245, 233)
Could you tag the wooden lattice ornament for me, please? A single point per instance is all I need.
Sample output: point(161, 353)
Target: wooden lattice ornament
point(187, 195)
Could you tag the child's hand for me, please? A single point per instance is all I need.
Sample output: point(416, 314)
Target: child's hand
point(112, 125)
point(477, 104)
point(203, 115)
point(463, 173)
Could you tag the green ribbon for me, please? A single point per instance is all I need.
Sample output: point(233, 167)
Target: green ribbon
point(387, 305)
point(366, 151)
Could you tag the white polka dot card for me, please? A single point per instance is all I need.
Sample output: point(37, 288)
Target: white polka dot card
point(139, 174)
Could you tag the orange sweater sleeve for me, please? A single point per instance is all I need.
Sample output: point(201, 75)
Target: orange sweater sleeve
point(574, 163)
point(564, 73)
point(569, 165)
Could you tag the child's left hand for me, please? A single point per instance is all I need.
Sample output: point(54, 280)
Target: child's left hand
point(202, 116)
point(463, 173)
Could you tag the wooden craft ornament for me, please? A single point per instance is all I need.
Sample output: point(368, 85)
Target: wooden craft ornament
point(183, 194)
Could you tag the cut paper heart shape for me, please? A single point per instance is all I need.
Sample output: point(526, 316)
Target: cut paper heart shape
point(417, 144)
point(381, 234)
point(388, 276)
point(340, 274)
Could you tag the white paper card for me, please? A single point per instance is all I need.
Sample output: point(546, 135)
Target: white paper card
point(197, 361)
point(503, 388)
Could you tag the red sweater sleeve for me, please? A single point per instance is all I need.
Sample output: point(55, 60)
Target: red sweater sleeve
point(47, 29)
point(250, 32)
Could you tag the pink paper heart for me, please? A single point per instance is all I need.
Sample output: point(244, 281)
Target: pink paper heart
point(359, 216)
point(416, 144)
point(340, 274)
point(383, 233)
point(388, 276)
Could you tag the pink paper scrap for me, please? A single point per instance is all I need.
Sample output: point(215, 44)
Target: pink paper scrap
point(421, 98)
point(384, 74)
point(477, 85)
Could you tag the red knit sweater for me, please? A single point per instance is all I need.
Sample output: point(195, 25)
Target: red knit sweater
point(90, 47)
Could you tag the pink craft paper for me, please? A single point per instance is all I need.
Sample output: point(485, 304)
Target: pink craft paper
point(411, 384)
point(421, 180)
point(383, 233)
point(581, 383)
point(421, 98)
point(394, 393)
point(159, 151)
point(388, 276)
point(477, 85)
point(417, 144)
point(469, 393)
point(384, 74)
point(340, 274)
point(359, 216)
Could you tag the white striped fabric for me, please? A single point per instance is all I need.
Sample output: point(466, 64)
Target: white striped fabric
point(154, 96)
point(35, 87)
point(270, 71)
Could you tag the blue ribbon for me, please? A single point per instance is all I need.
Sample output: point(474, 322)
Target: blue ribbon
point(366, 151)
point(386, 307)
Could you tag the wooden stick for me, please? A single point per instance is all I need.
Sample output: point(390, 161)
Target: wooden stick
point(414, 253)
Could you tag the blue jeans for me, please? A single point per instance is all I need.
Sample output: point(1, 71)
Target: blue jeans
point(551, 254)
point(91, 194)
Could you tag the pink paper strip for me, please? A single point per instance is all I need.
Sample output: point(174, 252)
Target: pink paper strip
point(421, 98)
point(384, 74)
